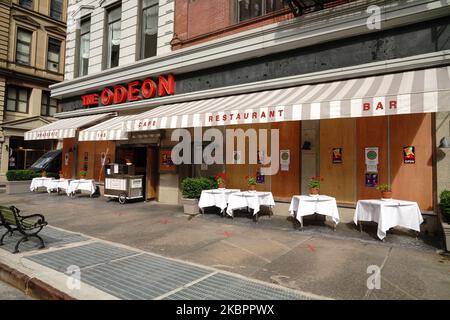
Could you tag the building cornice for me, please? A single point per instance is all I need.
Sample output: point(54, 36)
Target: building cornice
point(429, 60)
point(331, 24)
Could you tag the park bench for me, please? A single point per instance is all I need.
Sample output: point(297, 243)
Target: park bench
point(29, 226)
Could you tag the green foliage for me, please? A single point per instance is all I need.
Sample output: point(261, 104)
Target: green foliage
point(192, 187)
point(314, 182)
point(444, 203)
point(383, 187)
point(251, 181)
point(21, 175)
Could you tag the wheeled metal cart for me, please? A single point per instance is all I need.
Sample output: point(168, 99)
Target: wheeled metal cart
point(122, 183)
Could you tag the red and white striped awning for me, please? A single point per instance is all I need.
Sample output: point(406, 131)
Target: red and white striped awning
point(112, 129)
point(64, 128)
point(417, 91)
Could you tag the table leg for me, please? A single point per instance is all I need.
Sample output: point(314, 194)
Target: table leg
point(255, 217)
point(335, 225)
point(417, 235)
point(360, 226)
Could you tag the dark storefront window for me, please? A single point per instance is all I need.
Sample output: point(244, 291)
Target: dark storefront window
point(26, 4)
point(49, 106)
point(24, 153)
point(23, 46)
point(83, 49)
point(149, 28)
point(56, 8)
point(17, 99)
point(53, 54)
point(248, 9)
point(113, 37)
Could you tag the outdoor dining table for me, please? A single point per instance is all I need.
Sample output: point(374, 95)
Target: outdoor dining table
point(82, 185)
point(215, 198)
point(251, 200)
point(388, 214)
point(40, 182)
point(58, 185)
point(307, 205)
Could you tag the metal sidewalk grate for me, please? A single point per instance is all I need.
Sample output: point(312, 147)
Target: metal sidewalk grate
point(141, 277)
point(226, 287)
point(52, 238)
point(82, 256)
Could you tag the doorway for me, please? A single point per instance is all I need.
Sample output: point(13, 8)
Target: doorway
point(152, 173)
point(146, 162)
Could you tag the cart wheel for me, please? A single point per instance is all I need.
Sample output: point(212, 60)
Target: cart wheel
point(122, 198)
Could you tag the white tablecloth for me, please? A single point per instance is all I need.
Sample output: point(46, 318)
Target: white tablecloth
point(306, 205)
point(251, 200)
point(84, 185)
point(389, 214)
point(215, 197)
point(56, 185)
point(40, 182)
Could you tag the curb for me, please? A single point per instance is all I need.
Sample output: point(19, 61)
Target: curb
point(31, 286)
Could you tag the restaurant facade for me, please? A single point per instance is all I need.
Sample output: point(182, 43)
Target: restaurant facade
point(355, 103)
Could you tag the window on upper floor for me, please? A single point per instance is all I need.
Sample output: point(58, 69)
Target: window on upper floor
point(49, 105)
point(56, 9)
point(53, 54)
point(17, 99)
point(248, 9)
point(83, 47)
point(149, 32)
point(26, 4)
point(113, 26)
point(23, 46)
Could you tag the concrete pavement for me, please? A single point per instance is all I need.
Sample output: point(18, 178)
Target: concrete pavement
point(9, 293)
point(317, 260)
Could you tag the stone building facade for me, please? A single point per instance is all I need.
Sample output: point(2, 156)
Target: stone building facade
point(32, 46)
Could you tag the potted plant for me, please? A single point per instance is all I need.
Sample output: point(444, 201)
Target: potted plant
point(386, 190)
point(61, 174)
point(251, 182)
point(44, 174)
point(83, 174)
point(314, 185)
point(220, 178)
point(191, 189)
point(444, 206)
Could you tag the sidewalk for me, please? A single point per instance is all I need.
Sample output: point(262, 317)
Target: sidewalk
point(154, 251)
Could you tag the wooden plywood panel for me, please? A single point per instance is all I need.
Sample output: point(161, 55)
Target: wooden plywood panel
point(237, 172)
point(339, 178)
point(412, 181)
point(371, 132)
point(107, 150)
point(285, 184)
point(68, 148)
point(86, 155)
point(90, 155)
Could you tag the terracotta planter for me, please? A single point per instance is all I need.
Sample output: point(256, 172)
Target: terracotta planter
point(386, 194)
point(313, 191)
point(44, 174)
point(252, 187)
point(221, 186)
point(61, 176)
point(83, 177)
